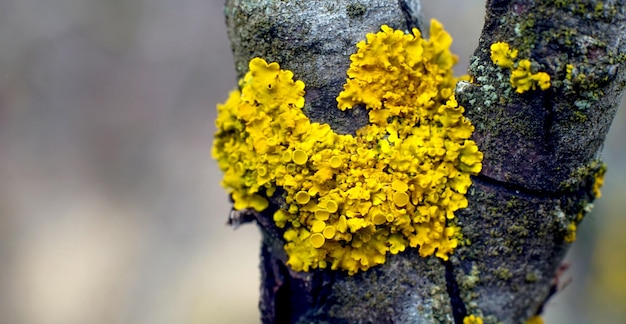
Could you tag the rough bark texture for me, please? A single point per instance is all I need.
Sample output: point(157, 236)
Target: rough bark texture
point(541, 147)
point(541, 155)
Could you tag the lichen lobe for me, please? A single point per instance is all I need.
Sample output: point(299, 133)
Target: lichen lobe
point(351, 200)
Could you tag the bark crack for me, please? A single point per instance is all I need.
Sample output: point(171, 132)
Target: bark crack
point(411, 9)
point(452, 287)
point(515, 188)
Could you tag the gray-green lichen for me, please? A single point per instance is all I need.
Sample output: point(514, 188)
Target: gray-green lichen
point(356, 10)
point(410, 289)
point(536, 140)
point(517, 243)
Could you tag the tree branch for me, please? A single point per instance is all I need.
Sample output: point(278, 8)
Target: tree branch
point(541, 148)
point(541, 155)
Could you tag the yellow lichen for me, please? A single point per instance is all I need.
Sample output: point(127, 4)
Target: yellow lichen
point(598, 182)
point(350, 200)
point(400, 199)
point(535, 320)
point(329, 232)
point(502, 55)
point(522, 78)
point(472, 319)
point(302, 197)
point(570, 237)
point(569, 69)
point(317, 240)
point(335, 162)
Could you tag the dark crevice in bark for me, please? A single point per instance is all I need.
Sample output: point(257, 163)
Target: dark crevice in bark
point(456, 302)
point(548, 105)
point(286, 298)
point(284, 307)
point(271, 286)
point(411, 13)
point(515, 188)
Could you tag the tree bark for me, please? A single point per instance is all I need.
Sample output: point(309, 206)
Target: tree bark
point(541, 155)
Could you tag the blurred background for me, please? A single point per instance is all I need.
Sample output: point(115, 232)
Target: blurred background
point(110, 204)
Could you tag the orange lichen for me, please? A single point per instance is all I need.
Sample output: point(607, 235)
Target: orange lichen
point(350, 200)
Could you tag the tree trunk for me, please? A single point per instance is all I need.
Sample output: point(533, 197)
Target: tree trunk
point(541, 166)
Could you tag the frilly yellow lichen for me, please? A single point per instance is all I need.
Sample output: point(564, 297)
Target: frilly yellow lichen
point(350, 200)
point(472, 319)
point(401, 70)
point(502, 55)
point(522, 78)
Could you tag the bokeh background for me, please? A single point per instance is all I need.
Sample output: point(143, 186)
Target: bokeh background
point(110, 204)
